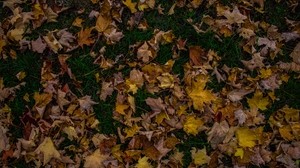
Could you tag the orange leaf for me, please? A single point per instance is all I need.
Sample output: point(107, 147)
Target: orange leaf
point(84, 37)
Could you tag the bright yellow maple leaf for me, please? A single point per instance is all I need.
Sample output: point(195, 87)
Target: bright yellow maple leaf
point(246, 137)
point(198, 94)
point(258, 101)
point(199, 156)
point(48, 149)
point(131, 5)
point(143, 163)
point(192, 125)
point(239, 152)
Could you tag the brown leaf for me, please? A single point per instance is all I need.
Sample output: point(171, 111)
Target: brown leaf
point(38, 45)
point(197, 55)
point(156, 105)
point(106, 90)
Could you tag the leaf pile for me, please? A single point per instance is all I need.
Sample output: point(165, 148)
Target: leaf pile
point(60, 127)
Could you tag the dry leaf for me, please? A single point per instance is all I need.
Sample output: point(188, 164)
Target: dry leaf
point(48, 149)
point(95, 160)
point(84, 37)
point(38, 45)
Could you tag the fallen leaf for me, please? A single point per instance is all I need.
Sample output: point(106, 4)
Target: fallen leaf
point(48, 149)
point(199, 156)
point(246, 137)
point(84, 37)
point(131, 5)
point(258, 101)
point(143, 163)
point(77, 22)
point(95, 160)
point(102, 23)
point(38, 45)
point(192, 125)
point(198, 94)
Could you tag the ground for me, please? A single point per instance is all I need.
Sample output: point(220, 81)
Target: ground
point(178, 83)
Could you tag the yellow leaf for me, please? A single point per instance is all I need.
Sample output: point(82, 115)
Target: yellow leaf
point(286, 133)
point(42, 99)
point(26, 97)
point(103, 21)
point(246, 137)
point(291, 115)
point(48, 149)
point(77, 22)
point(95, 160)
point(160, 117)
point(21, 75)
point(166, 81)
point(132, 86)
point(192, 125)
point(15, 34)
point(199, 156)
point(120, 108)
point(198, 95)
point(131, 5)
point(143, 163)
point(130, 132)
point(71, 132)
point(168, 37)
point(239, 152)
point(265, 73)
point(37, 11)
point(258, 101)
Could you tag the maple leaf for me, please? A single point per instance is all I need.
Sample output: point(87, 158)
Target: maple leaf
point(199, 96)
point(120, 108)
point(16, 34)
point(235, 16)
point(84, 37)
point(113, 36)
point(95, 160)
point(258, 101)
point(246, 137)
point(131, 131)
point(38, 45)
point(156, 105)
point(106, 90)
point(86, 103)
point(102, 23)
point(192, 125)
point(77, 22)
point(52, 42)
point(199, 156)
point(131, 5)
point(143, 163)
point(65, 38)
point(255, 62)
point(48, 149)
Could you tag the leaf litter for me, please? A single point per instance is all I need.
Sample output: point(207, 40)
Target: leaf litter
point(233, 118)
